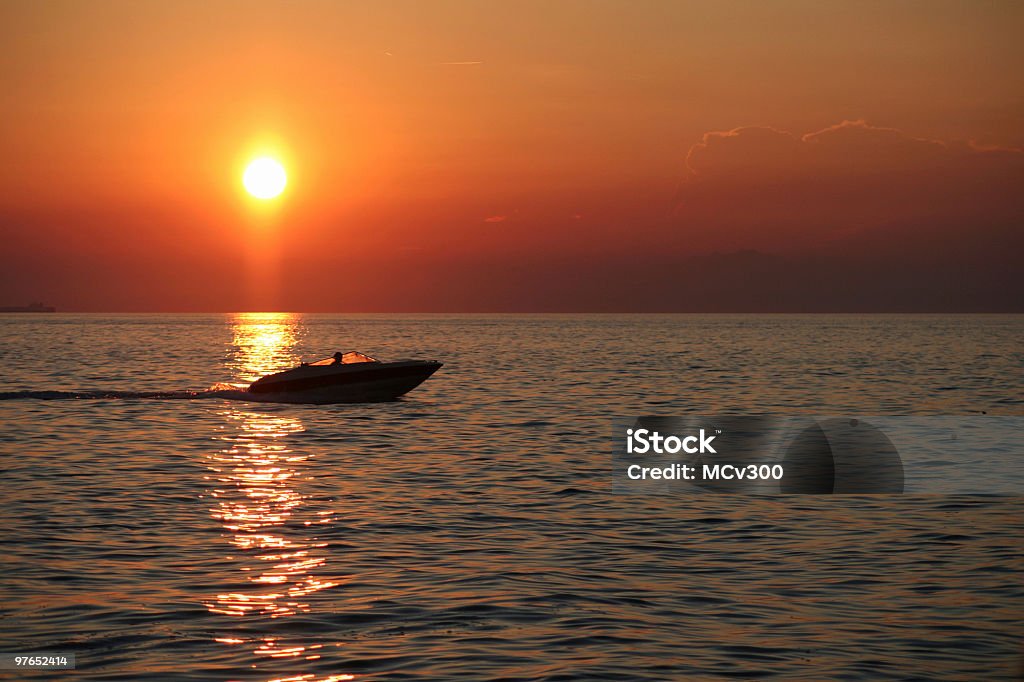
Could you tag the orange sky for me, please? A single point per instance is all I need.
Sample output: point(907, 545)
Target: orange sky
point(511, 155)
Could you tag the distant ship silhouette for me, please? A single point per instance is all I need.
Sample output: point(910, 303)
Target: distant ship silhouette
point(30, 308)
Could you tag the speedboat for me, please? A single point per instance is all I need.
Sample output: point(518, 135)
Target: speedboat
point(351, 377)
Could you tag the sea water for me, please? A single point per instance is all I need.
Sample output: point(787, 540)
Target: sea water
point(158, 527)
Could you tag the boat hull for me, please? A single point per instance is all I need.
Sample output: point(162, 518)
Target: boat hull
point(375, 382)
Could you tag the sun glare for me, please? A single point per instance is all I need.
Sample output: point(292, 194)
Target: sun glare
point(264, 178)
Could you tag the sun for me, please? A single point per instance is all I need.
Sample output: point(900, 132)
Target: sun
point(264, 178)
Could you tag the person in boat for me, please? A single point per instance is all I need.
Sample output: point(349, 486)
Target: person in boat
point(337, 357)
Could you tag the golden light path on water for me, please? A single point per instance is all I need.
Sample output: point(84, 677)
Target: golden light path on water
point(256, 482)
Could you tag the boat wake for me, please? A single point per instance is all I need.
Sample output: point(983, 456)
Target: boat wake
point(222, 391)
point(351, 377)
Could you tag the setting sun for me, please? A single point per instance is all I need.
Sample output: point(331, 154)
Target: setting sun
point(264, 178)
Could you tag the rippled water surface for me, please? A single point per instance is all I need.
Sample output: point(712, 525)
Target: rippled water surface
point(468, 531)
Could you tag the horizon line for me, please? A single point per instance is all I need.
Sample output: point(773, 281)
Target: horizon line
point(517, 312)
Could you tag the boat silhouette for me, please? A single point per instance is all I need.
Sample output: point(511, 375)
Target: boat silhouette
point(30, 308)
point(351, 377)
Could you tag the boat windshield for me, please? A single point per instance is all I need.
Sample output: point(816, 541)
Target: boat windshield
point(350, 358)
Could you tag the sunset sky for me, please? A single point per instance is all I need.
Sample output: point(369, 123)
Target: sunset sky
point(513, 156)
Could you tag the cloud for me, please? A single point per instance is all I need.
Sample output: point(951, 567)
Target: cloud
point(768, 189)
point(461, 63)
point(849, 147)
point(496, 219)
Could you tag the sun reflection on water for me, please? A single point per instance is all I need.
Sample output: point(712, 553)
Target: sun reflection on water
point(257, 478)
point(263, 343)
point(256, 485)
